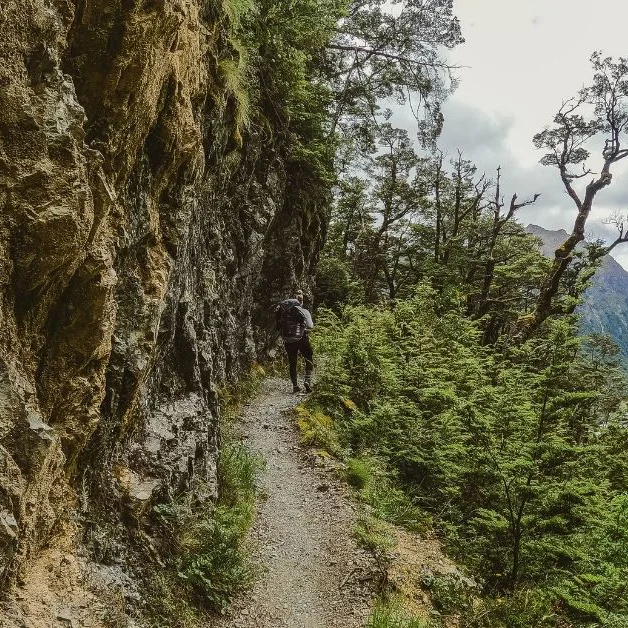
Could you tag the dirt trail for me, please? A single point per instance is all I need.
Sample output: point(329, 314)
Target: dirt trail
point(316, 576)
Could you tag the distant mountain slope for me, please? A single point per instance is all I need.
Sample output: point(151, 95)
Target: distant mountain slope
point(605, 307)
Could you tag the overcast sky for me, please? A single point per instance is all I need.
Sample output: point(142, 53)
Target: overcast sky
point(524, 57)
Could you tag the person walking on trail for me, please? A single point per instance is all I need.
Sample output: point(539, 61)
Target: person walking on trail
point(293, 322)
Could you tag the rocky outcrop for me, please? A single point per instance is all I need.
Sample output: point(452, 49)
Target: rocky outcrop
point(144, 235)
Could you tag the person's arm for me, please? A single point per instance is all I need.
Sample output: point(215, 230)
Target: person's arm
point(309, 323)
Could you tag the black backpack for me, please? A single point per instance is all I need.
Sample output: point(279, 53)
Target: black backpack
point(290, 320)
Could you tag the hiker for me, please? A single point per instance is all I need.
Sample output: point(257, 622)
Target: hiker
point(293, 322)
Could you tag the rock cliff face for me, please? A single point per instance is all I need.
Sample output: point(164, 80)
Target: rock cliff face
point(144, 235)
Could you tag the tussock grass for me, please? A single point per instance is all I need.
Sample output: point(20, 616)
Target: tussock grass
point(317, 428)
point(389, 613)
point(232, 397)
point(215, 561)
point(169, 604)
point(372, 534)
point(377, 487)
point(392, 504)
point(358, 473)
point(210, 561)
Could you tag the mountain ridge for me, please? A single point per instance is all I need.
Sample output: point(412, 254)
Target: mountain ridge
point(605, 305)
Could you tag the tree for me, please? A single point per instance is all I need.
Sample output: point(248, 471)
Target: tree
point(517, 452)
point(402, 218)
point(391, 50)
point(499, 221)
point(373, 218)
point(601, 108)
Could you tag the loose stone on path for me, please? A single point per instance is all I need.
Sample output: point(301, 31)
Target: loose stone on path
point(314, 575)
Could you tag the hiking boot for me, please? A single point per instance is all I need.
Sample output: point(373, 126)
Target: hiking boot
point(308, 387)
point(296, 389)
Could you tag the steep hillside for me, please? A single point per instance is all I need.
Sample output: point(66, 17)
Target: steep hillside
point(605, 307)
point(151, 210)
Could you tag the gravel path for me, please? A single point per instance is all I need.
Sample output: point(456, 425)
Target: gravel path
point(315, 576)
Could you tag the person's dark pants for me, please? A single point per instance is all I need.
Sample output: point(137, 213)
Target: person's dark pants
point(293, 349)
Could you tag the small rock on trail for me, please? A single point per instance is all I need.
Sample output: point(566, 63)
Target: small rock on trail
point(314, 575)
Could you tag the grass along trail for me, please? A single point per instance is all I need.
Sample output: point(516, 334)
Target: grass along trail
point(314, 575)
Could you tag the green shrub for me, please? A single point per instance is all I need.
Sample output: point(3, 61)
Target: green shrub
point(524, 608)
point(231, 397)
point(211, 560)
point(215, 560)
point(317, 428)
point(334, 284)
point(237, 10)
point(449, 592)
point(169, 603)
point(237, 473)
point(517, 452)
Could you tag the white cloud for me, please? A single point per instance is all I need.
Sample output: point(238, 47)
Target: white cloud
point(521, 60)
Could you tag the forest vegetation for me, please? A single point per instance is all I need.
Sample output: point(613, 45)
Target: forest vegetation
point(450, 362)
point(184, 171)
point(451, 374)
point(451, 368)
